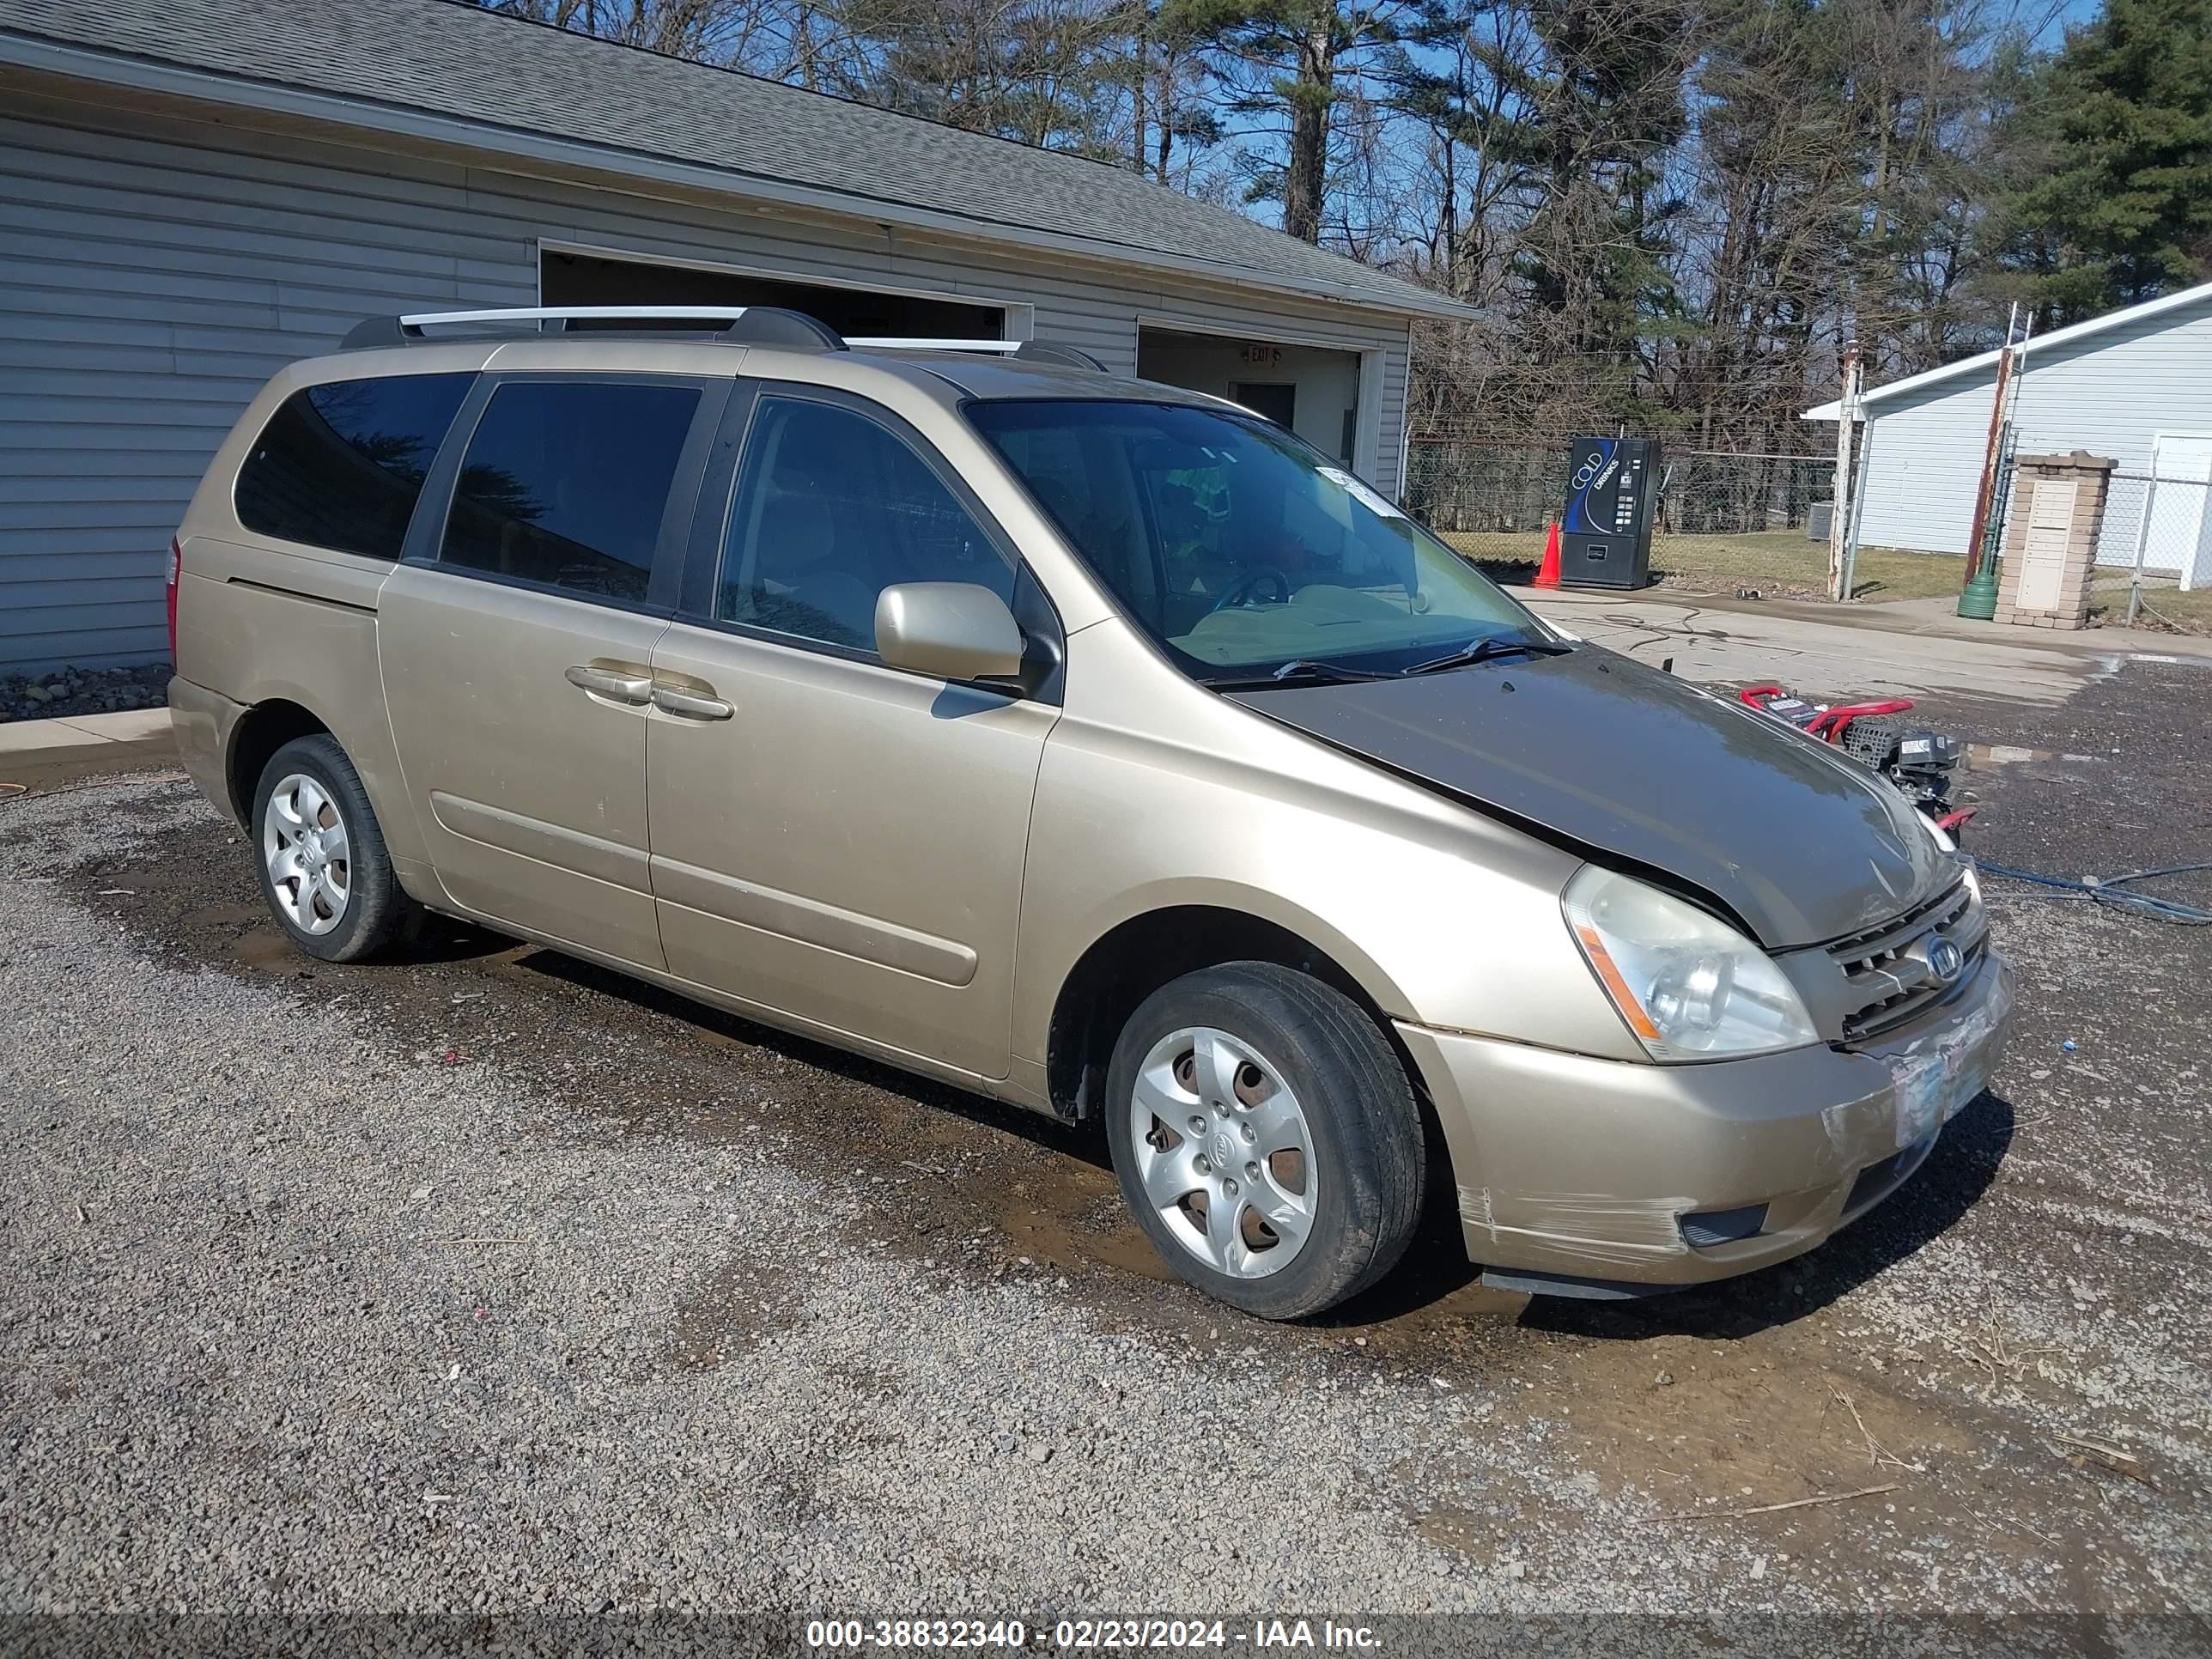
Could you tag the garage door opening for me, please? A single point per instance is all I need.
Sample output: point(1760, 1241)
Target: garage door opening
point(1313, 391)
point(585, 279)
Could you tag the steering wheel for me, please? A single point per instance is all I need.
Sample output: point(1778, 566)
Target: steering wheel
point(1243, 589)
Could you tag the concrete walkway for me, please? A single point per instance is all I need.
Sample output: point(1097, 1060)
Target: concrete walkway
point(1909, 647)
point(35, 753)
point(80, 730)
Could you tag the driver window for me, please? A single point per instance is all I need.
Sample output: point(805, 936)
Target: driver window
point(831, 509)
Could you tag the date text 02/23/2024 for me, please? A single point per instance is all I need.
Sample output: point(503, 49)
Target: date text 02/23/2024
point(1088, 1634)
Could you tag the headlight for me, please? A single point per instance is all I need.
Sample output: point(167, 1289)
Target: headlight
point(1689, 987)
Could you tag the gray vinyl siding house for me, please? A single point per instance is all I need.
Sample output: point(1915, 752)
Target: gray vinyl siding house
point(2118, 385)
point(194, 192)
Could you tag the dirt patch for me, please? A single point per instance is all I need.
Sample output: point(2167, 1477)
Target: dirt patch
point(742, 1304)
point(2017, 1342)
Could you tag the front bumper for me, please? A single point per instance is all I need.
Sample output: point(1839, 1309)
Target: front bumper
point(1583, 1170)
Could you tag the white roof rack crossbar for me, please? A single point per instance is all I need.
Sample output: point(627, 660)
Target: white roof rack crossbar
point(896, 343)
point(1037, 351)
point(767, 325)
point(549, 313)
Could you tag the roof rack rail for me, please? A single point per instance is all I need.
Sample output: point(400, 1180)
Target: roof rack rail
point(740, 325)
point(1068, 356)
point(925, 342)
point(770, 325)
point(1028, 351)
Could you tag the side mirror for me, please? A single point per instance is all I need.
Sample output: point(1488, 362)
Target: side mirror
point(949, 630)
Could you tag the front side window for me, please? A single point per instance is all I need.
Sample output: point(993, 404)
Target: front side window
point(1240, 548)
point(566, 483)
point(832, 507)
point(341, 465)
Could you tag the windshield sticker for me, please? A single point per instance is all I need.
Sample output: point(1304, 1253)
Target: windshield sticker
point(1366, 497)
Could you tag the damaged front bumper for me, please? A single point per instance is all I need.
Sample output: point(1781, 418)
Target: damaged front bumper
point(1598, 1177)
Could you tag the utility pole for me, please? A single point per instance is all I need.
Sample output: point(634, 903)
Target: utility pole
point(1840, 515)
point(1977, 599)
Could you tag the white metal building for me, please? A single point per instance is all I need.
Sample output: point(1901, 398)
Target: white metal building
point(2135, 385)
point(193, 192)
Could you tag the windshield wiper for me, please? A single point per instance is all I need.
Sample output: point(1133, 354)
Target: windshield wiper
point(1299, 671)
point(1486, 648)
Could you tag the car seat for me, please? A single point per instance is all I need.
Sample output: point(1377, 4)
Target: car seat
point(804, 581)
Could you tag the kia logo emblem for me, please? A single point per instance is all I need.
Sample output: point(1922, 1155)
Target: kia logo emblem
point(1946, 961)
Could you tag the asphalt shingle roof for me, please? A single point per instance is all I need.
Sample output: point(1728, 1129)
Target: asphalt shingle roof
point(458, 61)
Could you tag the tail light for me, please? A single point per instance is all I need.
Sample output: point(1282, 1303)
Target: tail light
point(176, 570)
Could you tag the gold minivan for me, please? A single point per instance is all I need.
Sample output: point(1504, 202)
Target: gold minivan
point(1086, 743)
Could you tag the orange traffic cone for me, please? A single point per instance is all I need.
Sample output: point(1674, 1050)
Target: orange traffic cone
point(1548, 574)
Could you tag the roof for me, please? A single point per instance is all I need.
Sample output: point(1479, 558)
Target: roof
point(995, 377)
point(2058, 337)
point(945, 375)
point(501, 82)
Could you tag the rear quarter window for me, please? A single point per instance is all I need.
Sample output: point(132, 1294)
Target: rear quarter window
point(341, 465)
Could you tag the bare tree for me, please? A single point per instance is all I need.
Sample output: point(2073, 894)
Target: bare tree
point(1668, 213)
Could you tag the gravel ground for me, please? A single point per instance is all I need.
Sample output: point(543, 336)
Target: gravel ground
point(489, 1281)
point(83, 691)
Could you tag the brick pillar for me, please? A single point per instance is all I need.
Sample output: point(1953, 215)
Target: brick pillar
point(2051, 527)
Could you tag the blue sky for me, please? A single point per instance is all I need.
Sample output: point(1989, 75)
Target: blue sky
point(2070, 13)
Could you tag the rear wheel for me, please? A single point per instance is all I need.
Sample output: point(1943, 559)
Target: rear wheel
point(324, 869)
point(1266, 1138)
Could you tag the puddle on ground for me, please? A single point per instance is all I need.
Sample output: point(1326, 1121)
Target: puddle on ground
point(2007, 754)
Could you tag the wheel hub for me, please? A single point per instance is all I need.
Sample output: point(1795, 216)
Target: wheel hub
point(1223, 1151)
point(304, 846)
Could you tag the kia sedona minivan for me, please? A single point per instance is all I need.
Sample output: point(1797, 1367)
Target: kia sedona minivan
point(1086, 743)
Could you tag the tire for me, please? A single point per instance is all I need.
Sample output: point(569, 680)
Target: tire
point(1342, 1185)
point(353, 905)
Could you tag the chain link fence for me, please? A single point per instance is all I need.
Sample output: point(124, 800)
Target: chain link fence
point(1759, 524)
point(2154, 556)
point(1724, 521)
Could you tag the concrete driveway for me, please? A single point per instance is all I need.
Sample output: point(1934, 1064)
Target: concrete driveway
point(1914, 649)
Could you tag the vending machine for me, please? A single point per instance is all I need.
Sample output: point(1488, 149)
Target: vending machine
point(1612, 497)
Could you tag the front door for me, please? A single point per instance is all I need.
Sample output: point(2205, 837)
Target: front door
point(517, 643)
point(833, 839)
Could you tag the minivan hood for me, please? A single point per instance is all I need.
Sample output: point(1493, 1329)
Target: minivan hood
point(1803, 844)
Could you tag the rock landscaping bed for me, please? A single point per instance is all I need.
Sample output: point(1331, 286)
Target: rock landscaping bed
point(83, 691)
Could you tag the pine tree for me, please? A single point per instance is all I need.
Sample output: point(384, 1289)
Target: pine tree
point(2123, 210)
point(1285, 59)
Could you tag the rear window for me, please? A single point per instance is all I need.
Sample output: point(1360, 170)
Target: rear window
point(565, 483)
point(341, 465)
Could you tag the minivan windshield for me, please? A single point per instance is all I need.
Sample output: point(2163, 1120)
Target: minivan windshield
point(1245, 552)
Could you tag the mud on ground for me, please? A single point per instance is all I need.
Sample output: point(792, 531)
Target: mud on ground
point(1992, 1394)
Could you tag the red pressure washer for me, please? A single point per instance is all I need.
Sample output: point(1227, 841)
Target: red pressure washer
point(1920, 763)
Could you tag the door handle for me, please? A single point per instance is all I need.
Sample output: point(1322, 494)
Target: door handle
point(670, 700)
point(611, 683)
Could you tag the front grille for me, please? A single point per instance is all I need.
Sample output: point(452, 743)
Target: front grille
point(1885, 986)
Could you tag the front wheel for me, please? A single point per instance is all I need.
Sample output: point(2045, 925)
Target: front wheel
point(1266, 1137)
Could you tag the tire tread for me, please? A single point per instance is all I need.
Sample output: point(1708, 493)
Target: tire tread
point(380, 907)
point(1336, 1037)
